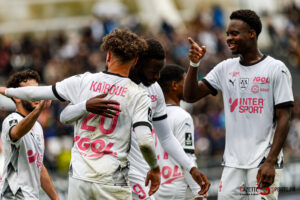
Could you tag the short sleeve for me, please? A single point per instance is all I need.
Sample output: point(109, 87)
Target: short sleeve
point(213, 79)
point(68, 89)
point(185, 134)
point(142, 113)
point(160, 110)
point(282, 86)
point(7, 125)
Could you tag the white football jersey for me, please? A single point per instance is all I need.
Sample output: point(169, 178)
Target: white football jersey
point(23, 160)
point(138, 165)
point(250, 94)
point(101, 144)
point(173, 183)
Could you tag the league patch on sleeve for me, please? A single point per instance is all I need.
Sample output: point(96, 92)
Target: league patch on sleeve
point(149, 114)
point(13, 122)
point(188, 139)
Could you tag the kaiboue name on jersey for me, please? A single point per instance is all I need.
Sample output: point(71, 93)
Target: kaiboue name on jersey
point(103, 87)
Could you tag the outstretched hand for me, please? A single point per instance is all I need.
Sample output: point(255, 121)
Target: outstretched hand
point(196, 52)
point(154, 176)
point(101, 106)
point(201, 180)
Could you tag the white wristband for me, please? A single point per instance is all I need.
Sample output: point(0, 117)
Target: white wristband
point(195, 64)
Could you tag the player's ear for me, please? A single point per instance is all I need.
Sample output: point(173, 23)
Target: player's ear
point(174, 85)
point(135, 61)
point(108, 57)
point(252, 34)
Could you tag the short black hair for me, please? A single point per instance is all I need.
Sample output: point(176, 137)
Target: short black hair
point(154, 50)
point(23, 76)
point(168, 74)
point(249, 17)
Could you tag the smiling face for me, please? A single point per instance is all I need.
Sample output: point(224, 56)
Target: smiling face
point(240, 37)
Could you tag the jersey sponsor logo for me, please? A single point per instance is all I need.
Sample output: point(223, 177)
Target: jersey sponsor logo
point(234, 74)
point(13, 122)
point(247, 105)
point(103, 87)
point(153, 98)
point(188, 139)
point(171, 174)
point(97, 147)
point(244, 82)
point(255, 89)
point(261, 80)
point(35, 158)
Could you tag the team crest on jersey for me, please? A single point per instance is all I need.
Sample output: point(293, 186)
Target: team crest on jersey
point(13, 122)
point(188, 139)
point(244, 82)
point(149, 114)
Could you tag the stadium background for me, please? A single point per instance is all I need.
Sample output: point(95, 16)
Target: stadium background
point(60, 38)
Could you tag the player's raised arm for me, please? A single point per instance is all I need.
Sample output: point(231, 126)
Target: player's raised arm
point(194, 90)
point(24, 126)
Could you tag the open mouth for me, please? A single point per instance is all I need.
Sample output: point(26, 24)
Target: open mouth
point(232, 46)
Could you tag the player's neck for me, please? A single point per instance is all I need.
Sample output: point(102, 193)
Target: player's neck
point(22, 110)
point(251, 57)
point(122, 70)
point(172, 99)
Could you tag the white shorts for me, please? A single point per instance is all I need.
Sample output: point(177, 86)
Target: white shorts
point(138, 188)
point(177, 190)
point(83, 190)
point(239, 184)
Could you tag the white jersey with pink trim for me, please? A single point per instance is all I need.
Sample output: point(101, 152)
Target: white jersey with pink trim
point(138, 165)
point(173, 182)
point(23, 161)
point(251, 94)
point(101, 144)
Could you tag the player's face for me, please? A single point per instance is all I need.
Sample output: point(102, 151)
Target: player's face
point(151, 71)
point(238, 36)
point(29, 105)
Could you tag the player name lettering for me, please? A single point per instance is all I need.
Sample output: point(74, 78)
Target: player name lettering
point(103, 87)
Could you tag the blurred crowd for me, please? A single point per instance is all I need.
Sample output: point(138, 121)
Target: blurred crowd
point(62, 54)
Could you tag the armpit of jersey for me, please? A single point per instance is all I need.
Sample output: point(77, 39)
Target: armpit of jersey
point(285, 104)
point(56, 93)
point(214, 92)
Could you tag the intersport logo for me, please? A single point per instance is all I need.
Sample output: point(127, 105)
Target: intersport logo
point(247, 105)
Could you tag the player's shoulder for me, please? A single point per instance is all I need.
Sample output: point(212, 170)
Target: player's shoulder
point(275, 64)
point(228, 63)
point(12, 118)
point(136, 89)
point(178, 112)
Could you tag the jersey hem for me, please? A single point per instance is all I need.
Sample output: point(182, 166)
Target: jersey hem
point(285, 104)
point(56, 93)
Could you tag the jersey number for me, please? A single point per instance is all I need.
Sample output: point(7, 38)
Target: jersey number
point(103, 130)
point(139, 191)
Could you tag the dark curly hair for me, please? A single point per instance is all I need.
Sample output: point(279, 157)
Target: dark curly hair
point(154, 51)
point(170, 73)
point(23, 76)
point(124, 44)
point(249, 17)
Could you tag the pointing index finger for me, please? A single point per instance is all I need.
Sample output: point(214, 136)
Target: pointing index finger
point(191, 41)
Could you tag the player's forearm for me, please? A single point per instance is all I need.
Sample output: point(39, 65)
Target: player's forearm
point(191, 85)
point(31, 93)
point(171, 145)
point(47, 185)
point(72, 113)
point(146, 145)
point(195, 188)
point(281, 132)
point(25, 125)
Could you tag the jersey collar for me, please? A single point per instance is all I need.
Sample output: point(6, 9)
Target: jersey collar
point(250, 64)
